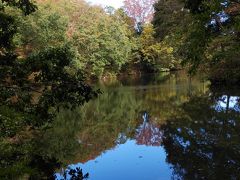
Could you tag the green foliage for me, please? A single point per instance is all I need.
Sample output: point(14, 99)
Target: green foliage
point(55, 67)
point(10, 121)
point(121, 15)
point(12, 166)
point(8, 29)
point(115, 111)
point(36, 104)
point(26, 6)
point(169, 17)
point(56, 83)
point(103, 43)
point(37, 86)
point(43, 28)
point(152, 55)
point(214, 48)
point(196, 42)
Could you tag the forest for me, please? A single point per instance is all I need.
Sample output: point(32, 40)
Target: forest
point(53, 53)
point(105, 42)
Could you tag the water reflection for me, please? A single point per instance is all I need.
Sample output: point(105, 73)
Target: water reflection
point(126, 135)
point(204, 142)
point(148, 133)
point(71, 173)
point(227, 102)
point(168, 127)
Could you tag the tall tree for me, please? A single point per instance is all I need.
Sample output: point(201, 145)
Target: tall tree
point(8, 27)
point(213, 39)
point(169, 16)
point(33, 85)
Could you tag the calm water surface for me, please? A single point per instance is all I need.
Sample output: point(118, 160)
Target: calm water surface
point(156, 127)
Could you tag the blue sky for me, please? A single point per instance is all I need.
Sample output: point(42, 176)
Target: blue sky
point(114, 3)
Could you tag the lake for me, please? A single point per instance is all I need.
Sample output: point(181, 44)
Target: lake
point(154, 127)
point(165, 126)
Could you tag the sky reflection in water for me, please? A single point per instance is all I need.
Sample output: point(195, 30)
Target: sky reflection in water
point(176, 129)
point(222, 103)
point(134, 159)
point(128, 161)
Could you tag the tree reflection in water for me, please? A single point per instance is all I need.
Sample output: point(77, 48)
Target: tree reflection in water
point(204, 141)
point(71, 174)
point(148, 133)
point(198, 128)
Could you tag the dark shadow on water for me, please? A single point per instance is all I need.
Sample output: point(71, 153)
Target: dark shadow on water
point(204, 141)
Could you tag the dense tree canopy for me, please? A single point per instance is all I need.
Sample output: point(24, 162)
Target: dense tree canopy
point(169, 14)
point(213, 40)
point(103, 43)
point(206, 35)
point(152, 55)
point(44, 79)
